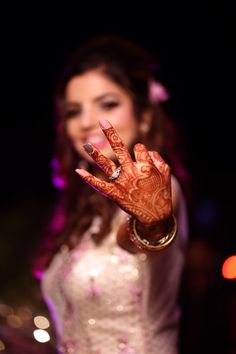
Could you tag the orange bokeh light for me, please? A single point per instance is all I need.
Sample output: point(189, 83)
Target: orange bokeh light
point(229, 268)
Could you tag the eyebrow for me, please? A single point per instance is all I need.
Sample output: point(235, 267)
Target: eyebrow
point(97, 99)
point(104, 95)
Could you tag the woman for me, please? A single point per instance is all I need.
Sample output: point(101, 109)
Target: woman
point(112, 261)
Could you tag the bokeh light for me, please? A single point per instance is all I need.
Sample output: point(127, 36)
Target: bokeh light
point(14, 321)
point(41, 322)
point(5, 310)
point(229, 268)
point(41, 335)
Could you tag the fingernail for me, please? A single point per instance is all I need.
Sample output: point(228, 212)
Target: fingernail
point(81, 172)
point(104, 123)
point(88, 148)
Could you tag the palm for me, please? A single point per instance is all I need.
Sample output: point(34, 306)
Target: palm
point(142, 188)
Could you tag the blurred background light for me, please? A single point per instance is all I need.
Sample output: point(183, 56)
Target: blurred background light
point(41, 322)
point(229, 268)
point(14, 321)
point(5, 310)
point(41, 335)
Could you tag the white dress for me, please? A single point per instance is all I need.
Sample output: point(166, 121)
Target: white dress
point(104, 300)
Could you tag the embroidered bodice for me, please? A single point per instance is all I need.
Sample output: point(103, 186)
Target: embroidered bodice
point(105, 300)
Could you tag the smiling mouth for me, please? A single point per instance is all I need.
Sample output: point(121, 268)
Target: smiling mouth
point(97, 140)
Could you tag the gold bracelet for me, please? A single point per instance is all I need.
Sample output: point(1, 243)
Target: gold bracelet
point(160, 244)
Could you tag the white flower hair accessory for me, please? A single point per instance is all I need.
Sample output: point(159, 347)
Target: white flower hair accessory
point(157, 92)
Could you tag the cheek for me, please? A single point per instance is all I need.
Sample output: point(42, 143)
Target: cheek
point(69, 128)
point(128, 123)
point(72, 129)
point(125, 118)
point(125, 122)
point(130, 118)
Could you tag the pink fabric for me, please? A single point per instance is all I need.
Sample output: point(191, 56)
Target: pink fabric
point(105, 300)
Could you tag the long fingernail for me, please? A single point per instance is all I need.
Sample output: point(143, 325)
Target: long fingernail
point(88, 148)
point(81, 172)
point(104, 123)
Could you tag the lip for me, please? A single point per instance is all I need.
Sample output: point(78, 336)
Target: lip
point(101, 144)
point(96, 139)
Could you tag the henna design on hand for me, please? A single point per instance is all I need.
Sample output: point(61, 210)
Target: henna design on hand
point(121, 151)
point(143, 188)
point(105, 164)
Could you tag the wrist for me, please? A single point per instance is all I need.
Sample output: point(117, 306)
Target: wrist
point(155, 237)
point(154, 231)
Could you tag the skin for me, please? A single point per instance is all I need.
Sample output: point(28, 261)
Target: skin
point(143, 187)
point(91, 96)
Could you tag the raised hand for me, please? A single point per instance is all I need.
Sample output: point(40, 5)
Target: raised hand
point(142, 188)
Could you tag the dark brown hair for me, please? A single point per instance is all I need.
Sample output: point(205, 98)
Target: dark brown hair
point(132, 68)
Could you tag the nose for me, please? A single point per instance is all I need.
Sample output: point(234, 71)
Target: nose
point(88, 119)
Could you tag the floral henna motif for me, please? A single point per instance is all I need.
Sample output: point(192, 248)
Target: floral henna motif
point(122, 153)
point(147, 196)
point(143, 188)
point(107, 165)
point(141, 154)
point(105, 188)
point(118, 147)
point(158, 161)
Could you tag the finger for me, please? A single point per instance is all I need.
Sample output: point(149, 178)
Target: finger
point(158, 161)
point(122, 153)
point(103, 187)
point(105, 164)
point(141, 154)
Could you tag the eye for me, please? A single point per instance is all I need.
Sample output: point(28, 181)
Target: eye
point(109, 105)
point(71, 113)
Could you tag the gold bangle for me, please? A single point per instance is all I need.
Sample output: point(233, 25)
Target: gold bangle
point(160, 244)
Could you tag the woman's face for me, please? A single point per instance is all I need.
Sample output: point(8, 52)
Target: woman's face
point(91, 96)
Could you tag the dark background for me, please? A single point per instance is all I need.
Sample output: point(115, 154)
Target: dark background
point(195, 48)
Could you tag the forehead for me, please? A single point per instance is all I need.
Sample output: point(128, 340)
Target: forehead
point(90, 85)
